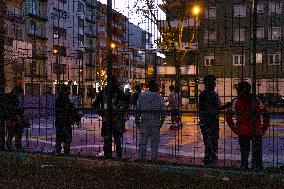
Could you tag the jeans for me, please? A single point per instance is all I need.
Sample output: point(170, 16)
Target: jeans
point(152, 133)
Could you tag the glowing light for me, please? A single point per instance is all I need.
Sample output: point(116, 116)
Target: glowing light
point(196, 10)
point(55, 51)
point(112, 45)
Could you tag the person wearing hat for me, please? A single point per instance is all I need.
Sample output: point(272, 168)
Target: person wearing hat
point(209, 106)
point(249, 127)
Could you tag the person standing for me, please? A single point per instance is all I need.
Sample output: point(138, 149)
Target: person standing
point(13, 118)
point(249, 128)
point(119, 107)
point(150, 109)
point(209, 106)
point(173, 100)
point(76, 100)
point(65, 116)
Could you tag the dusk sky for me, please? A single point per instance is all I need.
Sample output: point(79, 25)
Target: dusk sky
point(121, 6)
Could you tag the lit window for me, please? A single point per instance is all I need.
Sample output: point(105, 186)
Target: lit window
point(239, 35)
point(210, 36)
point(55, 35)
point(81, 39)
point(274, 58)
point(210, 13)
point(209, 60)
point(239, 10)
point(274, 33)
point(258, 57)
point(238, 60)
point(275, 7)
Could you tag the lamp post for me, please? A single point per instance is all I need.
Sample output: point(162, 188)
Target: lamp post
point(57, 64)
point(108, 139)
point(195, 12)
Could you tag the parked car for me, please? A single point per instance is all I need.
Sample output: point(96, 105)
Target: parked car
point(272, 99)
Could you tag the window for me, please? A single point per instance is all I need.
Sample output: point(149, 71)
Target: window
point(239, 10)
point(59, 32)
point(32, 7)
point(274, 33)
point(275, 7)
point(80, 7)
point(210, 36)
point(239, 35)
point(209, 60)
point(33, 27)
point(260, 8)
point(238, 60)
point(210, 13)
point(260, 33)
point(81, 39)
point(274, 58)
point(258, 57)
point(62, 68)
point(80, 22)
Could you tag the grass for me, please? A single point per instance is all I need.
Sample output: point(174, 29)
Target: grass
point(49, 171)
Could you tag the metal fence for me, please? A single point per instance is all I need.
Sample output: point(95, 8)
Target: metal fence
point(225, 49)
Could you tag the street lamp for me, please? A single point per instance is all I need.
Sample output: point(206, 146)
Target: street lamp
point(113, 45)
point(196, 10)
point(56, 53)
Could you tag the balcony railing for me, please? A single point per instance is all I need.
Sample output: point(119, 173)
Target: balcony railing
point(12, 17)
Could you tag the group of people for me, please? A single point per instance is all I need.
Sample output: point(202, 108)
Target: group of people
point(247, 110)
point(112, 104)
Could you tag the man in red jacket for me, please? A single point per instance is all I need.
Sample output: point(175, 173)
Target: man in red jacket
point(248, 111)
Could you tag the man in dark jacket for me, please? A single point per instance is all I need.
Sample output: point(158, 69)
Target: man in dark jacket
point(12, 117)
point(248, 126)
point(209, 106)
point(116, 128)
point(65, 116)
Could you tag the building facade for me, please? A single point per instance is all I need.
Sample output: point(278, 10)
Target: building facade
point(225, 45)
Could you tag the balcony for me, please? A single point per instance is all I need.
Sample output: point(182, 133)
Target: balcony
point(91, 19)
point(38, 34)
point(90, 3)
point(91, 34)
point(12, 17)
point(37, 14)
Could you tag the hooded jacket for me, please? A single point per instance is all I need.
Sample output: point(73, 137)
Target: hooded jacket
point(242, 110)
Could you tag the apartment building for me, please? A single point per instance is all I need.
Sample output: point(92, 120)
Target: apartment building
point(226, 42)
point(35, 28)
point(25, 40)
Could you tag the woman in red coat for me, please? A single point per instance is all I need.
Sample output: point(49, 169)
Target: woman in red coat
point(248, 124)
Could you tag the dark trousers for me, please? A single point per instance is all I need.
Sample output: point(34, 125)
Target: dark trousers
point(244, 142)
point(2, 135)
point(63, 135)
point(16, 132)
point(108, 146)
point(210, 140)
